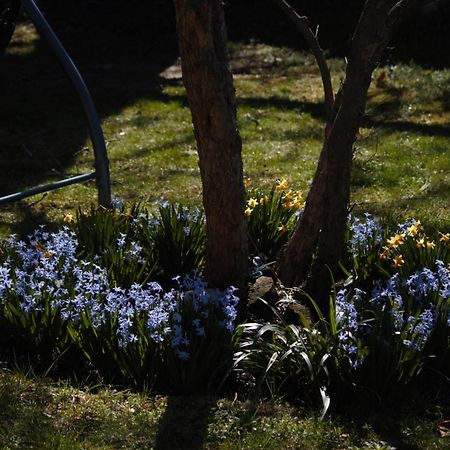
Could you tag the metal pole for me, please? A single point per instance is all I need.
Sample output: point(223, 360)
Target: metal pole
point(96, 133)
point(47, 187)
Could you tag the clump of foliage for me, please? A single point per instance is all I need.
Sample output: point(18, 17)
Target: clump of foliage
point(178, 236)
point(388, 323)
point(86, 291)
point(120, 291)
point(270, 217)
point(136, 245)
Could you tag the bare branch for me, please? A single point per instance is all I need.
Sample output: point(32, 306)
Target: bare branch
point(400, 10)
point(302, 24)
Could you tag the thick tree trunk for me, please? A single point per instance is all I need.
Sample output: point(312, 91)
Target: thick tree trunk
point(313, 253)
point(209, 86)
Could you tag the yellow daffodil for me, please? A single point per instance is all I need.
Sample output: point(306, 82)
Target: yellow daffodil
point(398, 261)
point(48, 255)
point(283, 228)
point(282, 185)
point(420, 243)
point(431, 245)
point(87, 213)
point(248, 182)
point(252, 202)
point(248, 212)
point(385, 254)
point(288, 205)
point(445, 237)
point(396, 241)
point(414, 229)
point(297, 202)
point(68, 218)
point(288, 196)
point(263, 200)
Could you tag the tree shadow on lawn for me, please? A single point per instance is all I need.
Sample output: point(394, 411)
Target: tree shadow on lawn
point(184, 425)
point(43, 125)
point(317, 111)
point(23, 419)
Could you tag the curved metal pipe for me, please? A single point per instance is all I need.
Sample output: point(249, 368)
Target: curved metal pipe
point(47, 188)
point(96, 133)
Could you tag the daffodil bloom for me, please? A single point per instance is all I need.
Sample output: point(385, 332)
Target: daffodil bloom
point(252, 202)
point(48, 255)
point(248, 212)
point(248, 182)
point(282, 185)
point(288, 196)
point(414, 229)
point(398, 261)
point(445, 237)
point(87, 213)
point(282, 228)
point(297, 202)
point(431, 245)
point(68, 218)
point(420, 243)
point(263, 200)
point(288, 205)
point(385, 254)
point(396, 241)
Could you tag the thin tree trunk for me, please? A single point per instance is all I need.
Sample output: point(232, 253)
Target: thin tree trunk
point(210, 92)
point(317, 245)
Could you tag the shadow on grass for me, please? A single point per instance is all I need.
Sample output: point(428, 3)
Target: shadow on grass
point(412, 127)
point(24, 424)
point(184, 424)
point(43, 127)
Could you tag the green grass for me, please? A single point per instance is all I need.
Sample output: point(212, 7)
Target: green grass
point(402, 157)
point(39, 413)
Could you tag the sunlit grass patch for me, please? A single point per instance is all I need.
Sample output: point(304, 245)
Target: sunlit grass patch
point(401, 165)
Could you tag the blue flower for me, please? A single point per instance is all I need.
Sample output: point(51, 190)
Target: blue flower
point(117, 203)
point(121, 241)
point(421, 283)
point(363, 233)
point(420, 328)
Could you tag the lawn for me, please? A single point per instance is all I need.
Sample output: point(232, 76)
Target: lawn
point(39, 413)
point(401, 162)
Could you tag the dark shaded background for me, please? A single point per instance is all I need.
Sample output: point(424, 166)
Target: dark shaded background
point(425, 37)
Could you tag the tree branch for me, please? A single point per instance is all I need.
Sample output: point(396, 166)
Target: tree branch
point(400, 10)
point(302, 24)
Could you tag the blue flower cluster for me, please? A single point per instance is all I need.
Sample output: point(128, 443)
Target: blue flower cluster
point(205, 303)
point(347, 320)
point(362, 232)
point(409, 303)
point(46, 272)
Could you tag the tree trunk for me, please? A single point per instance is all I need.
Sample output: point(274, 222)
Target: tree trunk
point(317, 245)
point(210, 92)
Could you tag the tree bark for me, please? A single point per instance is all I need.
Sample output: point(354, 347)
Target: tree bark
point(210, 92)
point(317, 245)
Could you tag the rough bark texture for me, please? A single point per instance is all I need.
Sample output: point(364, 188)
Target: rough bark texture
point(317, 245)
point(209, 86)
